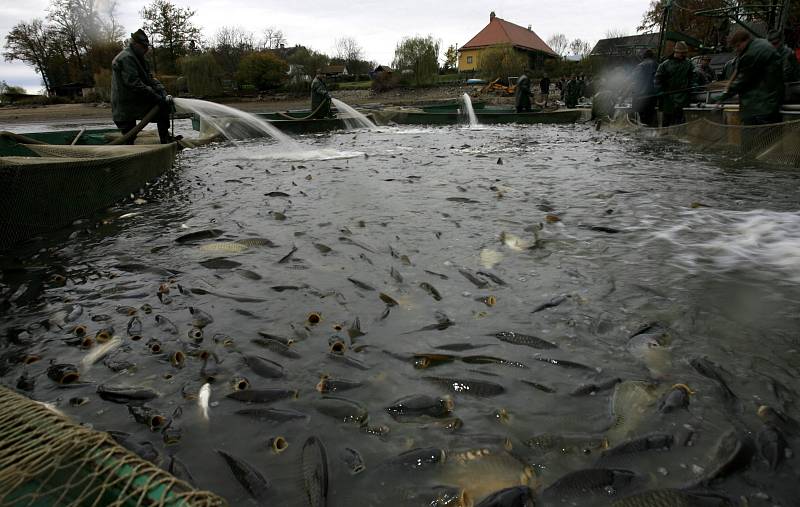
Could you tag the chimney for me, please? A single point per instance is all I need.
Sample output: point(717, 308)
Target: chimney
point(491, 16)
point(529, 28)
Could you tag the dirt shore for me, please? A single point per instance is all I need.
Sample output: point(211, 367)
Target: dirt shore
point(102, 111)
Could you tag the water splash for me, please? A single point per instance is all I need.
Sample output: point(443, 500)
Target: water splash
point(728, 240)
point(352, 118)
point(473, 119)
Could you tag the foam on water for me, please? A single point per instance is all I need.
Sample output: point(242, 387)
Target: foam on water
point(303, 155)
point(352, 118)
point(727, 240)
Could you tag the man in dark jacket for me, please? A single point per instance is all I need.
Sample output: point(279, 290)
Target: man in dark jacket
point(522, 93)
point(674, 78)
point(544, 87)
point(643, 91)
point(758, 80)
point(572, 92)
point(134, 90)
point(791, 68)
point(320, 97)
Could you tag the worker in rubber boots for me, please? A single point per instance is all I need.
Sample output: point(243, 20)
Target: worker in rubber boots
point(673, 81)
point(134, 90)
point(758, 80)
point(522, 93)
point(320, 97)
point(642, 90)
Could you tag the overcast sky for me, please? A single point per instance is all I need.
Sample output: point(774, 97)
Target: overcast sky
point(376, 25)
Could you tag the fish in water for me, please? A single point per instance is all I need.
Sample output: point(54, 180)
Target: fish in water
point(272, 414)
point(360, 284)
point(277, 347)
point(464, 200)
point(125, 394)
point(416, 459)
point(63, 373)
point(354, 331)
point(621, 453)
point(594, 388)
point(540, 387)
point(491, 360)
point(460, 347)
point(179, 469)
point(676, 398)
point(602, 228)
point(220, 263)
point(342, 409)
point(288, 256)
point(443, 277)
point(673, 498)
point(143, 449)
point(771, 445)
point(99, 352)
point(395, 275)
point(588, 485)
point(430, 289)
point(442, 323)
point(473, 387)
point(264, 367)
point(565, 364)
point(276, 194)
point(327, 384)
point(515, 242)
point(491, 276)
point(200, 319)
point(345, 239)
point(552, 303)
point(566, 444)
point(713, 371)
point(353, 460)
point(323, 248)
point(415, 406)
point(250, 478)
point(524, 339)
point(134, 326)
point(515, 496)
point(199, 236)
point(231, 247)
point(422, 361)
point(390, 301)
point(482, 472)
point(263, 395)
point(202, 400)
point(474, 279)
point(314, 470)
point(653, 349)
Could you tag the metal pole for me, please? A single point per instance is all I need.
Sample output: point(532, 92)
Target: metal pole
point(664, 25)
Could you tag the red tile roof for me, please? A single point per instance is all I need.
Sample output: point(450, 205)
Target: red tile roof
point(500, 31)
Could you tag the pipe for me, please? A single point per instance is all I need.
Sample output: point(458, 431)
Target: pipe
point(78, 136)
point(135, 130)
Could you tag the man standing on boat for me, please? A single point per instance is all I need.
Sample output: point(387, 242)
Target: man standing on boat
point(572, 91)
point(522, 93)
point(791, 68)
point(673, 81)
point(320, 97)
point(644, 99)
point(544, 87)
point(134, 90)
point(758, 80)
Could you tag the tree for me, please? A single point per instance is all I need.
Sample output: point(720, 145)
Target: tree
point(306, 61)
point(31, 42)
point(419, 55)
point(501, 61)
point(170, 28)
point(264, 70)
point(203, 75)
point(580, 48)
point(558, 43)
point(230, 44)
point(616, 33)
point(273, 38)
point(450, 58)
point(350, 53)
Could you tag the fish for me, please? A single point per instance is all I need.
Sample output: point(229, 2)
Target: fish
point(652, 349)
point(489, 258)
point(395, 275)
point(565, 364)
point(552, 303)
point(199, 236)
point(482, 472)
point(288, 256)
point(250, 275)
point(277, 194)
point(220, 263)
point(277, 444)
point(443, 277)
point(474, 279)
point(26, 382)
point(125, 394)
point(99, 352)
point(323, 248)
point(360, 284)
point(566, 444)
point(593, 388)
point(602, 228)
point(516, 496)
point(672, 498)
point(430, 289)
point(200, 319)
point(144, 449)
point(588, 484)
point(63, 373)
point(327, 384)
point(420, 405)
point(492, 360)
point(272, 414)
point(491, 276)
point(779, 419)
point(353, 460)
point(134, 326)
point(250, 478)
point(166, 325)
point(622, 452)
point(345, 239)
point(74, 312)
point(459, 347)
point(231, 247)
point(442, 323)
point(524, 339)
point(179, 469)
point(436, 496)
point(349, 361)
point(354, 331)
point(416, 459)
point(281, 339)
point(713, 371)
point(540, 387)
point(202, 400)
point(314, 471)
point(771, 445)
point(515, 242)
point(463, 200)
point(126, 310)
point(263, 395)
point(342, 409)
point(281, 288)
point(676, 398)
point(422, 361)
point(264, 367)
point(147, 416)
point(473, 387)
point(390, 302)
point(277, 347)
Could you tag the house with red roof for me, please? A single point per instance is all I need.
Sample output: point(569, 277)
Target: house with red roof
point(500, 32)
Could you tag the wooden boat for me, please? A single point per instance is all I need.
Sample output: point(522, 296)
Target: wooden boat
point(451, 106)
point(486, 116)
point(298, 125)
point(48, 186)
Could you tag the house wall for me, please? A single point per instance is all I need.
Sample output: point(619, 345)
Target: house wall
point(468, 59)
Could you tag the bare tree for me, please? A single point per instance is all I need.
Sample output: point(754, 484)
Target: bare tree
point(615, 33)
point(347, 49)
point(230, 44)
point(558, 43)
point(580, 47)
point(31, 42)
point(273, 38)
point(171, 28)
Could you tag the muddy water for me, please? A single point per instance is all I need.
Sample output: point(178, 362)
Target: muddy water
point(628, 232)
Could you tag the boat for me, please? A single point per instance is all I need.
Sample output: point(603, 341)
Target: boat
point(485, 116)
point(451, 106)
point(48, 186)
point(293, 122)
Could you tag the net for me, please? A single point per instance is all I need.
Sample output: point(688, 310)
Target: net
point(46, 460)
point(43, 193)
point(777, 143)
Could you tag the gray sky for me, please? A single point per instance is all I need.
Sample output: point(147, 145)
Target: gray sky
point(376, 25)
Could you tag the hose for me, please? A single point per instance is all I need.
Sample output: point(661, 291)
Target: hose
point(20, 138)
point(135, 130)
point(309, 117)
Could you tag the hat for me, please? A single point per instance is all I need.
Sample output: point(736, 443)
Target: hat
point(140, 37)
point(680, 47)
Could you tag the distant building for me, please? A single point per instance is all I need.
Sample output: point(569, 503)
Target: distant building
point(501, 32)
point(626, 51)
point(334, 71)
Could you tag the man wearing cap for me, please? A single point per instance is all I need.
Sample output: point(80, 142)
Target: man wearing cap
point(758, 80)
point(644, 99)
point(134, 90)
point(320, 96)
point(522, 93)
point(705, 73)
point(791, 68)
point(673, 80)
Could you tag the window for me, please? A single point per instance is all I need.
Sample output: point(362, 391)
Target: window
point(469, 59)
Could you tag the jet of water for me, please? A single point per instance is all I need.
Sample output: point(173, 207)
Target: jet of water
point(473, 120)
point(233, 123)
point(352, 118)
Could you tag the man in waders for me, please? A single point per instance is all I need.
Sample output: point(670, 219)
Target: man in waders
point(544, 87)
point(134, 90)
point(522, 93)
point(644, 99)
point(320, 97)
point(674, 79)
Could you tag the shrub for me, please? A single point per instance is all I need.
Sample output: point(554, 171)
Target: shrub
point(203, 75)
point(385, 81)
point(265, 71)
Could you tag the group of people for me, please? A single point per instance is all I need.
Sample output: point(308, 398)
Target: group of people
point(570, 90)
point(757, 75)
